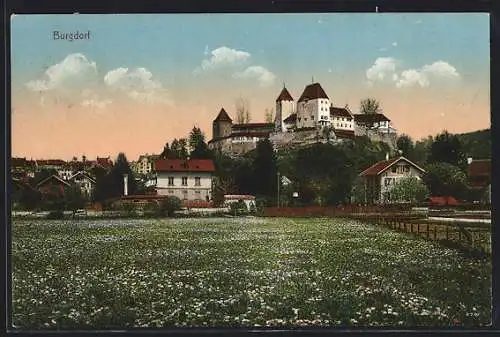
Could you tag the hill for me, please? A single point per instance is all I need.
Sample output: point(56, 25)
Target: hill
point(476, 144)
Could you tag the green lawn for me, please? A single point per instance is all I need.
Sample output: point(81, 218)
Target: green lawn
point(94, 274)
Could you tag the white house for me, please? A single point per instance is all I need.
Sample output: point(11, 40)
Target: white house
point(186, 179)
point(313, 107)
point(381, 177)
point(285, 106)
point(249, 200)
point(145, 164)
point(84, 181)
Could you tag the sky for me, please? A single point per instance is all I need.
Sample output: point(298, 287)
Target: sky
point(140, 81)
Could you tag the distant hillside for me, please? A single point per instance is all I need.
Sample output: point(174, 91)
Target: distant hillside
point(476, 144)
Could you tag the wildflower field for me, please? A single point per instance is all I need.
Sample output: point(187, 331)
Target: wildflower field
point(243, 272)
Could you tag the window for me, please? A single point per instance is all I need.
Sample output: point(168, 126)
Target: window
point(184, 195)
point(170, 191)
point(387, 181)
point(197, 194)
point(197, 181)
point(184, 181)
point(393, 170)
point(312, 117)
point(170, 181)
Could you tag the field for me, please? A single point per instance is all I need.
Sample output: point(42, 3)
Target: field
point(244, 272)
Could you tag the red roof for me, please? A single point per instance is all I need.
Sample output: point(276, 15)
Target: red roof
point(52, 177)
point(53, 162)
point(197, 203)
point(181, 165)
point(340, 112)
point(223, 116)
point(239, 197)
point(104, 162)
point(313, 91)
point(284, 96)
point(446, 200)
point(253, 125)
point(381, 166)
point(370, 118)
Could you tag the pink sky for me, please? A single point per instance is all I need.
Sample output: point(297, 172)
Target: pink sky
point(61, 130)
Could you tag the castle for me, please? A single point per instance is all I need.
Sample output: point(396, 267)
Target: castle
point(311, 119)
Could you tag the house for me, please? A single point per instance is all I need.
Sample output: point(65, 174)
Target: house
point(249, 200)
point(145, 164)
point(189, 179)
point(48, 164)
point(381, 177)
point(84, 181)
point(479, 178)
point(52, 186)
point(378, 122)
point(22, 168)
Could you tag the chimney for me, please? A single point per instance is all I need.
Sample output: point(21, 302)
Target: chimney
point(387, 156)
point(125, 184)
point(469, 160)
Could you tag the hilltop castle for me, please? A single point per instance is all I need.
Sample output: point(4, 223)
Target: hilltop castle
point(313, 117)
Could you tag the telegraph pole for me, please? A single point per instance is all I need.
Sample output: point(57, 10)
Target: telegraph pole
point(278, 201)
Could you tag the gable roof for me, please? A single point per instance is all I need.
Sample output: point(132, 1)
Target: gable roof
point(284, 96)
point(342, 112)
point(52, 177)
point(181, 165)
point(479, 168)
point(381, 166)
point(223, 116)
point(291, 119)
point(370, 118)
point(84, 174)
point(313, 91)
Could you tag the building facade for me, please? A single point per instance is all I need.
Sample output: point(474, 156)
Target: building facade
point(381, 177)
point(186, 179)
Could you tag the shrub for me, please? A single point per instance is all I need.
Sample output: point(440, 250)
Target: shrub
point(238, 208)
point(169, 205)
point(128, 209)
point(55, 215)
point(152, 209)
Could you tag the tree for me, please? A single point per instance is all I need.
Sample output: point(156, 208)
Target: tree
point(269, 115)
point(42, 175)
point(265, 173)
point(409, 189)
point(369, 106)
point(111, 185)
point(405, 144)
point(169, 205)
point(166, 153)
point(179, 149)
point(196, 136)
point(446, 148)
point(73, 198)
point(444, 179)
point(242, 111)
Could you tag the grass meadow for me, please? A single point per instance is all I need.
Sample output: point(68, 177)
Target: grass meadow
point(239, 272)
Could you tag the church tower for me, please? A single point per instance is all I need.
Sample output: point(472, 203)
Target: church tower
point(284, 108)
point(222, 125)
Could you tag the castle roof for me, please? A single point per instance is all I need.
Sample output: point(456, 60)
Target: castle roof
point(284, 96)
point(342, 112)
point(223, 116)
point(291, 119)
point(313, 91)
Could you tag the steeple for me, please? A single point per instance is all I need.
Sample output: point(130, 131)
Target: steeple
point(223, 116)
point(284, 95)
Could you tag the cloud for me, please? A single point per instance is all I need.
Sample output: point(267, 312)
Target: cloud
point(74, 71)
point(418, 22)
point(92, 100)
point(437, 71)
point(223, 57)
point(383, 68)
point(137, 84)
point(261, 74)
point(394, 44)
point(382, 49)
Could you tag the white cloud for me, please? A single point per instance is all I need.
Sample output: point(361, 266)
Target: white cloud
point(261, 74)
point(92, 100)
point(224, 56)
point(74, 71)
point(382, 49)
point(412, 77)
point(394, 44)
point(138, 84)
point(418, 22)
point(383, 68)
point(437, 71)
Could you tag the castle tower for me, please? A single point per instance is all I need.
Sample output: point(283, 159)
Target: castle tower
point(284, 108)
point(222, 125)
point(313, 107)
